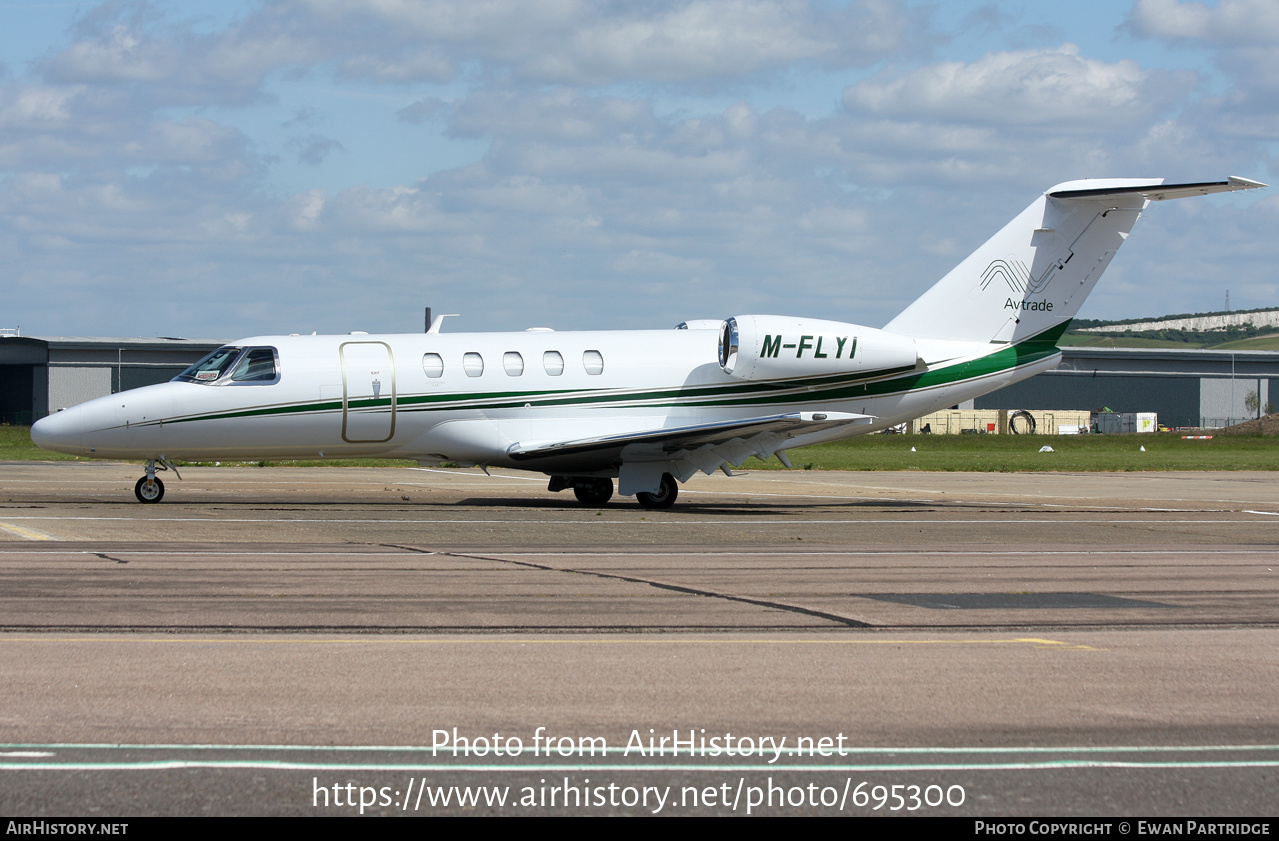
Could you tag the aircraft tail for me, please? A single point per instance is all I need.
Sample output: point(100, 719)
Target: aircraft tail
point(1034, 274)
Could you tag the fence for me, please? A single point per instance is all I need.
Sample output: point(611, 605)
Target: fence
point(1000, 422)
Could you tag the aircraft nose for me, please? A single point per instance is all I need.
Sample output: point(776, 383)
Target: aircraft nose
point(60, 432)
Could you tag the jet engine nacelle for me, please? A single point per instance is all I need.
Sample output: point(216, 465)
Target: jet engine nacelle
point(766, 347)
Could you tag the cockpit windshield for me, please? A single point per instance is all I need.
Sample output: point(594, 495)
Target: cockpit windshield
point(212, 367)
point(247, 366)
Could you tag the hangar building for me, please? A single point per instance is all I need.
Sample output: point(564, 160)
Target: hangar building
point(1192, 387)
point(42, 374)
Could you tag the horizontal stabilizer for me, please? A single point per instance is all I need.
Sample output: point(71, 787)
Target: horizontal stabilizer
point(1160, 192)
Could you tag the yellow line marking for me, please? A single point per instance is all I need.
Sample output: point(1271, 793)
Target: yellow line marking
point(1061, 646)
point(25, 533)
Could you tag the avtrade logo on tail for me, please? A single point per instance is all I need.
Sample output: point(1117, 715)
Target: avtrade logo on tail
point(1014, 273)
point(1041, 306)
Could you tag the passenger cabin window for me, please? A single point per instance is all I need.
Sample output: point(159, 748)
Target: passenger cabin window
point(513, 363)
point(593, 362)
point(433, 365)
point(553, 363)
point(473, 364)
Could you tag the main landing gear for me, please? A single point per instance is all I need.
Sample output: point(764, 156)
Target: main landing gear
point(149, 488)
point(595, 492)
point(663, 498)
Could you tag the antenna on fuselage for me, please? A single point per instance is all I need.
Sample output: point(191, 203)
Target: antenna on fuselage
point(439, 320)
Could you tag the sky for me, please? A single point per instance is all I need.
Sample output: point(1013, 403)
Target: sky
point(223, 170)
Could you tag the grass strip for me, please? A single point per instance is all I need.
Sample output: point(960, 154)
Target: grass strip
point(972, 453)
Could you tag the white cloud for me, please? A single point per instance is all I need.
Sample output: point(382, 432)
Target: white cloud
point(314, 148)
point(561, 115)
point(407, 66)
point(71, 128)
point(606, 179)
point(129, 46)
point(1056, 89)
point(579, 42)
point(1243, 37)
point(35, 107)
point(696, 42)
point(705, 39)
point(1226, 23)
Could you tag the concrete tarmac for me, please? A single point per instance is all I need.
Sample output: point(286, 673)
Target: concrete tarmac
point(1015, 644)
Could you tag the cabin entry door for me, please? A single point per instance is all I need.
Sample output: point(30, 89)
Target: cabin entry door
point(368, 392)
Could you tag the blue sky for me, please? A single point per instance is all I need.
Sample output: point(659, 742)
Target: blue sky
point(223, 170)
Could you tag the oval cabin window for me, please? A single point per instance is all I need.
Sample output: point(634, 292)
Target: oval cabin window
point(553, 363)
point(513, 363)
point(433, 365)
point(593, 362)
point(473, 364)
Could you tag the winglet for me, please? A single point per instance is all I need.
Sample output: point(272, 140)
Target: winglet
point(1245, 183)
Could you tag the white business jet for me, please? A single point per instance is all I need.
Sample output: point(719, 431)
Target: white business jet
point(648, 407)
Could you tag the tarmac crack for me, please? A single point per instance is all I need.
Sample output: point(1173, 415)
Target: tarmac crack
point(676, 588)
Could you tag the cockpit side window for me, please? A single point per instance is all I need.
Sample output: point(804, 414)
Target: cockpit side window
point(235, 366)
point(256, 366)
point(211, 368)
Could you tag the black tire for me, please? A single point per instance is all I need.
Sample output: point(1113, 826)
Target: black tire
point(146, 494)
point(593, 492)
point(665, 496)
point(1023, 415)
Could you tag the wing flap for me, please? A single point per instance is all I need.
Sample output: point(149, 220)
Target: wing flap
point(671, 442)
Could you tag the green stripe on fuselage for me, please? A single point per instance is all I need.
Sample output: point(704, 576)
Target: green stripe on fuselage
point(807, 390)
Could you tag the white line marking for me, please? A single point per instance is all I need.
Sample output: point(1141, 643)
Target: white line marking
point(1073, 757)
point(167, 765)
point(498, 552)
point(851, 750)
point(641, 519)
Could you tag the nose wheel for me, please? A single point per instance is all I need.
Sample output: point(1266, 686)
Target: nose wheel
point(149, 489)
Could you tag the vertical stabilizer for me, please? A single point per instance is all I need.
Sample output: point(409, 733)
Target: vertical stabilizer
point(1035, 273)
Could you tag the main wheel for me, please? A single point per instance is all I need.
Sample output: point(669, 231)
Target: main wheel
point(152, 491)
point(665, 496)
point(593, 492)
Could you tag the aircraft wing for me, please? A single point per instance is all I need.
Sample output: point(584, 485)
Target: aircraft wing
point(688, 449)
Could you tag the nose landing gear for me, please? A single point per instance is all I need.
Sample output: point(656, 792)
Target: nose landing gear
point(149, 488)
